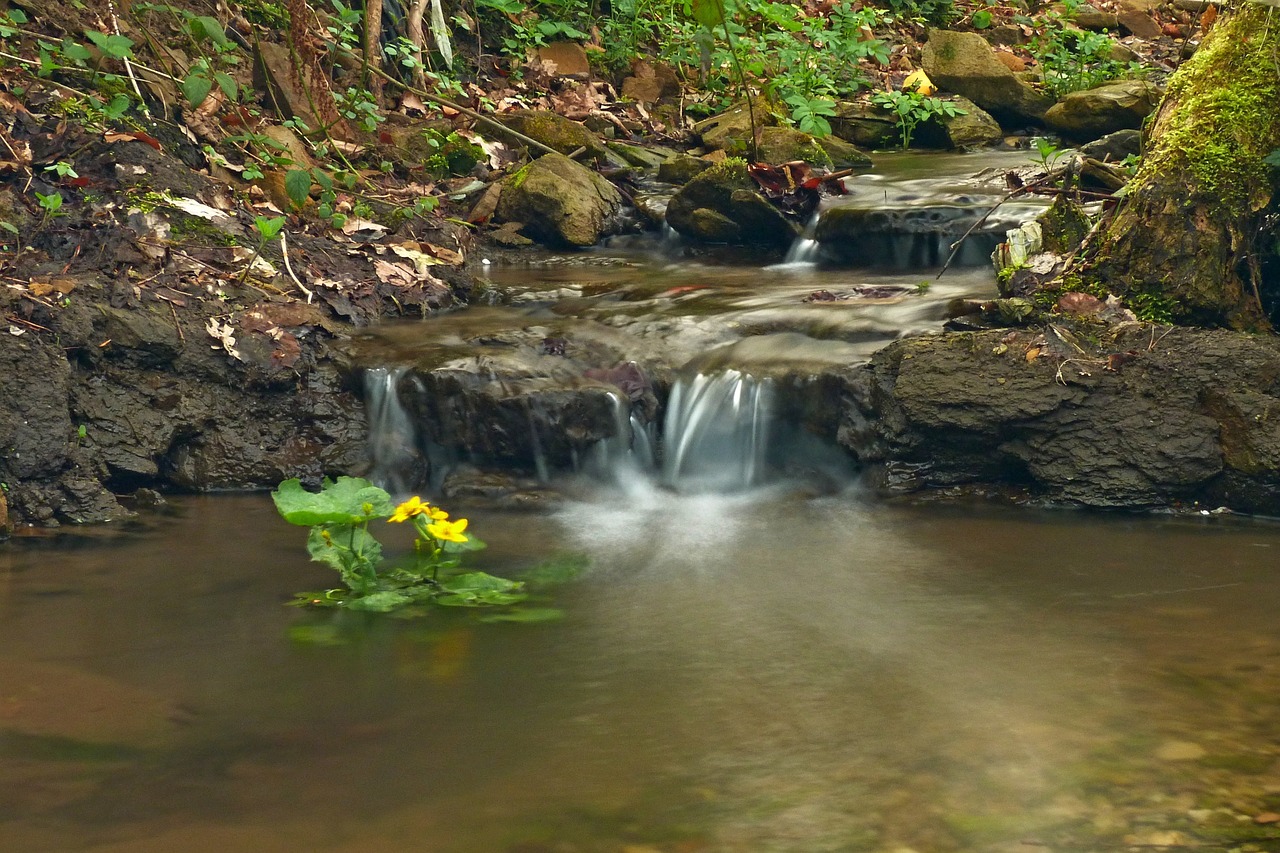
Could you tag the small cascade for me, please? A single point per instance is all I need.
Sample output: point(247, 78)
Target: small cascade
point(394, 448)
point(716, 432)
point(805, 248)
point(629, 451)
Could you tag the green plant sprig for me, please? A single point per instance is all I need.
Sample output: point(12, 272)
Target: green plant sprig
point(339, 517)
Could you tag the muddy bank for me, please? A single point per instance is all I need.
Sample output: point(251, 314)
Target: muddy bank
point(1149, 417)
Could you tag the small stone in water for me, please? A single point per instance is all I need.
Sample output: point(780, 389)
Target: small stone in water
point(1180, 750)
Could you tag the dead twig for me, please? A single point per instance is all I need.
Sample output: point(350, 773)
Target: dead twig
point(284, 251)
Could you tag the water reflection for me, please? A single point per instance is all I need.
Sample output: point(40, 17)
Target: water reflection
point(754, 672)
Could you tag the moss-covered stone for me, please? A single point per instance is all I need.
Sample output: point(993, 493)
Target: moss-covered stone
point(562, 203)
point(730, 131)
point(682, 168)
point(721, 205)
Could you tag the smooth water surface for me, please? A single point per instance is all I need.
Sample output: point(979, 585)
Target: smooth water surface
point(760, 672)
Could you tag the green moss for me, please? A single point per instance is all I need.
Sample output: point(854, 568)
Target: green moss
point(519, 177)
point(1224, 123)
point(195, 228)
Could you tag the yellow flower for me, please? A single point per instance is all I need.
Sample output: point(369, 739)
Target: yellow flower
point(415, 506)
point(449, 531)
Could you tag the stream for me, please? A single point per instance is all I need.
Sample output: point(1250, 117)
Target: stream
point(755, 660)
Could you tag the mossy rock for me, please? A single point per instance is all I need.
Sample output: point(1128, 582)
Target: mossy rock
point(843, 155)
point(730, 131)
point(864, 124)
point(560, 134)
point(784, 145)
point(721, 205)
point(639, 155)
point(562, 203)
point(682, 168)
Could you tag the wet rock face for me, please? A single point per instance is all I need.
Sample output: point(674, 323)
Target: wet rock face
point(1172, 416)
point(123, 399)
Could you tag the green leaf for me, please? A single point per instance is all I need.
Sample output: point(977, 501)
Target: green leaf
point(297, 184)
point(75, 51)
point(709, 13)
point(981, 19)
point(227, 84)
point(350, 500)
point(208, 27)
point(269, 227)
point(195, 88)
point(116, 47)
point(478, 589)
point(556, 570)
point(350, 550)
point(381, 601)
point(18, 16)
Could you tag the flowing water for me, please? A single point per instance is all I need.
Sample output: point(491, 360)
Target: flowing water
point(753, 672)
point(746, 666)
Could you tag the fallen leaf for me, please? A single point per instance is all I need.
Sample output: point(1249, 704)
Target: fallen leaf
point(919, 81)
point(134, 135)
point(1033, 353)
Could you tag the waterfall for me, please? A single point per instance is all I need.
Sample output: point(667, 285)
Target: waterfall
point(716, 432)
point(629, 452)
point(397, 462)
point(805, 248)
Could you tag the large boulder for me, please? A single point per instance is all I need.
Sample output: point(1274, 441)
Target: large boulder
point(1093, 113)
point(965, 64)
point(721, 205)
point(562, 203)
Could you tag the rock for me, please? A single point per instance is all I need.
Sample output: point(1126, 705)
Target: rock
point(784, 145)
point(965, 64)
point(721, 205)
point(731, 129)
point(1114, 147)
point(868, 233)
point(843, 155)
point(974, 129)
point(567, 58)
point(682, 168)
point(1012, 61)
point(274, 72)
point(1089, 114)
point(1088, 18)
point(651, 82)
point(1180, 421)
point(863, 124)
point(560, 134)
point(562, 203)
point(1134, 16)
point(638, 155)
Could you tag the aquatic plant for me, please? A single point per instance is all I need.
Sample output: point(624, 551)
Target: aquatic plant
point(340, 515)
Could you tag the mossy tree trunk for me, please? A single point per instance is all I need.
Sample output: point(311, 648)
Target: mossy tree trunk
point(1183, 238)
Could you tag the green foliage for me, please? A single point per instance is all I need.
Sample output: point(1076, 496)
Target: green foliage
point(51, 204)
point(811, 114)
point(911, 108)
point(1072, 59)
point(452, 153)
point(1048, 152)
point(268, 227)
point(1152, 306)
point(339, 517)
point(935, 12)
